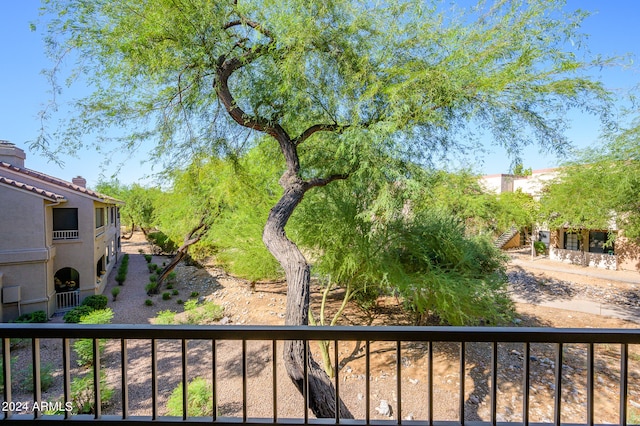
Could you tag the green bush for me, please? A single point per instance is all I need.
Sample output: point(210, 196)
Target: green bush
point(148, 302)
point(46, 378)
point(82, 394)
point(33, 317)
point(96, 301)
point(175, 292)
point(194, 294)
point(84, 347)
point(202, 314)
point(115, 291)
point(539, 247)
point(120, 278)
point(152, 267)
point(162, 241)
point(199, 399)
point(74, 315)
point(166, 295)
point(148, 258)
point(179, 301)
point(165, 317)
point(151, 288)
point(153, 278)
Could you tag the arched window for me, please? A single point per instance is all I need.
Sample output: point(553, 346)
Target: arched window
point(66, 279)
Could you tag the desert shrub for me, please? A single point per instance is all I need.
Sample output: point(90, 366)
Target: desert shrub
point(203, 314)
point(190, 305)
point(151, 267)
point(169, 286)
point(179, 301)
point(74, 315)
point(148, 302)
point(539, 247)
point(162, 242)
point(153, 278)
point(199, 399)
point(165, 317)
point(171, 276)
point(32, 317)
point(46, 378)
point(96, 301)
point(151, 288)
point(120, 278)
point(82, 394)
point(147, 258)
point(194, 294)
point(166, 295)
point(175, 292)
point(115, 291)
point(84, 347)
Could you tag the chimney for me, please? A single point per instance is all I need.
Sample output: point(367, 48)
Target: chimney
point(9, 153)
point(79, 181)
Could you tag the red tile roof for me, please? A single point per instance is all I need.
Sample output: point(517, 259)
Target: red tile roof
point(42, 192)
point(59, 182)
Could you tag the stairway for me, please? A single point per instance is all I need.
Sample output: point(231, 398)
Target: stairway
point(506, 237)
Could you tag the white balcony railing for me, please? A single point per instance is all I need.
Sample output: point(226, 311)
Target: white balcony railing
point(66, 235)
point(67, 300)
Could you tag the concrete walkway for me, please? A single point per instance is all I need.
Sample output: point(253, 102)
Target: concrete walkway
point(630, 279)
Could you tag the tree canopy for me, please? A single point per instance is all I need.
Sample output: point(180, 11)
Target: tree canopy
point(336, 85)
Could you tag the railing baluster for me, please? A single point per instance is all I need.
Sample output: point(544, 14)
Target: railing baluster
point(494, 382)
point(336, 369)
point(399, 380)
point(66, 375)
point(526, 384)
point(462, 374)
point(6, 367)
point(96, 378)
point(185, 378)
point(125, 378)
point(557, 415)
point(274, 379)
point(244, 381)
point(430, 378)
point(37, 391)
point(154, 379)
point(305, 380)
point(590, 387)
point(367, 382)
point(213, 379)
point(624, 382)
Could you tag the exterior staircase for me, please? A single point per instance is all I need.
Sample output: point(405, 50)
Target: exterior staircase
point(506, 237)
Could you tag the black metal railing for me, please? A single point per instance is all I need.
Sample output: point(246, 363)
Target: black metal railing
point(461, 344)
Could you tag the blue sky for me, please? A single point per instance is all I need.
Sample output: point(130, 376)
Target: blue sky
point(613, 30)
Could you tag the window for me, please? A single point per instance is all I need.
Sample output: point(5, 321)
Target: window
point(571, 241)
point(598, 242)
point(65, 219)
point(99, 217)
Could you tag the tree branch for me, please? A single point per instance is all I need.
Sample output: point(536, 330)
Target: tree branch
point(318, 128)
point(324, 181)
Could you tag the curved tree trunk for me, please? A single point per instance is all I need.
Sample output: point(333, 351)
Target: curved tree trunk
point(297, 271)
point(128, 237)
point(192, 237)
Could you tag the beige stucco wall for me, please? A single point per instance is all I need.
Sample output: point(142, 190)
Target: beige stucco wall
point(25, 251)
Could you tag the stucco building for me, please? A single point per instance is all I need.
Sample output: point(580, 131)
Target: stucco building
point(588, 247)
point(59, 240)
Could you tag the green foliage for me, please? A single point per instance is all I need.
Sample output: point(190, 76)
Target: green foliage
point(194, 294)
point(190, 305)
point(539, 247)
point(32, 317)
point(74, 315)
point(199, 399)
point(46, 378)
point(166, 295)
point(162, 242)
point(115, 291)
point(138, 209)
point(120, 278)
point(205, 313)
point(84, 347)
point(83, 396)
point(152, 267)
point(165, 317)
point(96, 301)
point(147, 258)
point(151, 288)
point(174, 292)
point(179, 301)
point(148, 302)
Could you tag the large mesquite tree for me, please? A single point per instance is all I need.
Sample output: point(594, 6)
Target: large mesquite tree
point(333, 83)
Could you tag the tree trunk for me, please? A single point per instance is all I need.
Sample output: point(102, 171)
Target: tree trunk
point(321, 390)
point(128, 237)
point(193, 237)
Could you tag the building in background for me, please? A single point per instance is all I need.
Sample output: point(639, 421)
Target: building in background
point(59, 240)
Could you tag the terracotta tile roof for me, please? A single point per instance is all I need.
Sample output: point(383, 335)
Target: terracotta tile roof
point(42, 192)
point(59, 182)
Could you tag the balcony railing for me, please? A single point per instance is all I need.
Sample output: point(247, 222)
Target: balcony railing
point(394, 349)
point(66, 235)
point(67, 300)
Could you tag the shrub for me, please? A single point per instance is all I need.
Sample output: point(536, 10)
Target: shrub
point(153, 278)
point(171, 277)
point(148, 302)
point(194, 294)
point(74, 315)
point(169, 286)
point(179, 301)
point(148, 258)
point(539, 247)
point(120, 278)
point(199, 399)
point(203, 314)
point(84, 347)
point(162, 241)
point(46, 378)
point(190, 305)
point(82, 394)
point(151, 288)
point(115, 291)
point(166, 295)
point(33, 317)
point(96, 301)
point(165, 317)
point(175, 292)
point(152, 267)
